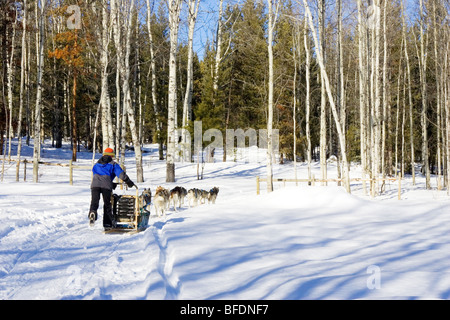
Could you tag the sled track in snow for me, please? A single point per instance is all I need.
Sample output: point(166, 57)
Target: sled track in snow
point(165, 264)
point(32, 247)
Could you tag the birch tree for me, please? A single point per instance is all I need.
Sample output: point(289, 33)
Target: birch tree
point(438, 96)
point(330, 98)
point(23, 63)
point(273, 15)
point(410, 102)
point(10, 73)
point(156, 111)
point(385, 93)
point(340, 87)
point(123, 57)
point(446, 88)
point(323, 101)
point(174, 7)
point(127, 97)
point(307, 98)
point(187, 105)
point(40, 71)
point(120, 114)
point(107, 128)
point(423, 81)
point(362, 94)
point(375, 96)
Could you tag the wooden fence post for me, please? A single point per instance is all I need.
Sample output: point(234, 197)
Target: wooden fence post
point(70, 172)
point(25, 170)
point(17, 170)
point(257, 185)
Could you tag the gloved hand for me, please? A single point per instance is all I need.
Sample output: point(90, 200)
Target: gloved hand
point(128, 181)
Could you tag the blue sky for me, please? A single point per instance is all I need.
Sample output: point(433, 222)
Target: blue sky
point(208, 15)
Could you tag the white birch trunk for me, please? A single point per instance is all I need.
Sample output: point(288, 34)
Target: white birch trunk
point(218, 49)
point(375, 99)
point(296, 47)
point(331, 100)
point(362, 95)
point(116, 25)
point(23, 63)
point(272, 22)
point(107, 129)
point(40, 71)
point(424, 122)
point(323, 102)
point(438, 98)
point(153, 77)
point(174, 16)
point(385, 95)
point(446, 86)
point(307, 98)
point(341, 84)
point(411, 122)
point(127, 97)
point(10, 72)
point(187, 105)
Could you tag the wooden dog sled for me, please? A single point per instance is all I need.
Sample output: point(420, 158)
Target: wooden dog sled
point(131, 212)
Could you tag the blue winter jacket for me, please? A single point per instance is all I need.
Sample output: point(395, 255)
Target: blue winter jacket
point(105, 170)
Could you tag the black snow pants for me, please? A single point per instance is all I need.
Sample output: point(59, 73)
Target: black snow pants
point(107, 208)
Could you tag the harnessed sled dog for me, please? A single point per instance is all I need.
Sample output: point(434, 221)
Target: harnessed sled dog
point(177, 196)
point(161, 201)
point(213, 195)
point(198, 195)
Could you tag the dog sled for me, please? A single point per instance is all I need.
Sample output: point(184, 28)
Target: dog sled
point(131, 212)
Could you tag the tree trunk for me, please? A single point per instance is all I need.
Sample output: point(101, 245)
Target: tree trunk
point(340, 92)
point(174, 14)
point(128, 108)
point(187, 105)
point(158, 125)
point(438, 98)
point(411, 122)
point(40, 71)
point(323, 101)
point(115, 22)
point(423, 78)
point(331, 100)
point(385, 95)
point(307, 98)
point(271, 27)
point(362, 95)
point(74, 117)
point(296, 47)
point(107, 129)
point(375, 98)
point(23, 63)
point(446, 86)
point(10, 73)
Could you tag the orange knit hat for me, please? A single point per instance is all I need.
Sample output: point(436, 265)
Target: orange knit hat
point(108, 152)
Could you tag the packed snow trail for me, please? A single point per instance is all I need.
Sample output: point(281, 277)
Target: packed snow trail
point(295, 243)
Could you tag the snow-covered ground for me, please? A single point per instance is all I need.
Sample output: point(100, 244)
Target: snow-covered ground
point(299, 242)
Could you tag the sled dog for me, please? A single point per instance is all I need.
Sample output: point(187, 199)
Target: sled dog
point(177, 196)
point(145, 198)
point(204, 195)
point(193, 196)
point(161, 201)
point(213, 195)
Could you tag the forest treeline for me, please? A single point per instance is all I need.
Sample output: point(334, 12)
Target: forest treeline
point(363, 81)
